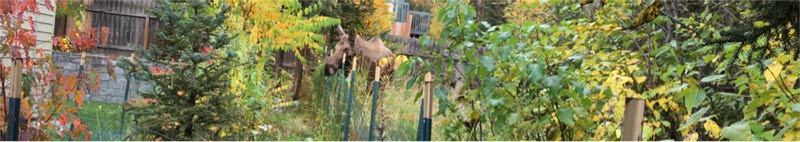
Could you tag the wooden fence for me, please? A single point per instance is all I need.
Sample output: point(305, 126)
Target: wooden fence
point(129, 23)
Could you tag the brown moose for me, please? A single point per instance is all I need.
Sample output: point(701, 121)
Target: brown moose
point(371, 52)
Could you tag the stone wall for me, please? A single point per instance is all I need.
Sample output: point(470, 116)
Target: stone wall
point(110, 90)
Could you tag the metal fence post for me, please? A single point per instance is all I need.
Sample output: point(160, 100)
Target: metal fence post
point(421, 112)
point(125, 97)
point(375, 86)
point(127, 92)
point(338, 92)
point(350, 100)
point(80, 71)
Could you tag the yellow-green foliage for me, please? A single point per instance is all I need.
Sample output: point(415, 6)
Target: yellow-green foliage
point(555, 73)
point(267, 26)
point(376, 22)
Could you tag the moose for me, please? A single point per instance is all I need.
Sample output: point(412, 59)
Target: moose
point(370, 51)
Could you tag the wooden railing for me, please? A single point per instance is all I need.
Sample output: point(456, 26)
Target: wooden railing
point(420, 22)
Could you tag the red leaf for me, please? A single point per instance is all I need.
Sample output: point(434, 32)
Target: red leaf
point(79, 98)
point(49, 77)
point(104, 31)
point(76, 121)
point(41, 52)
point(33, 5)
point(206, 50)
point(31, 23)
point(48, 4)
point(19, 9)
point(86, 135)
point(27, 38)
point(63, 120)
point(56, 40)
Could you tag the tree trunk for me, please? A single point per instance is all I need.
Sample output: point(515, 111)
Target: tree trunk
point(298, 74)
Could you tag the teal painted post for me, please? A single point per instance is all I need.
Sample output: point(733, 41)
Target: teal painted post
point(80, 71)
point(375, 86)
point(127, 91)
point(421, 112)
point(12, 128)
point(13, 120)
point(350, 101)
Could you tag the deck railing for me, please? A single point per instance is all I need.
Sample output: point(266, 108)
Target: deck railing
point(420, 22)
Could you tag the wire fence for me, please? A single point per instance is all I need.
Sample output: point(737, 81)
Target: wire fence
point(342, 91)
point(345, 98)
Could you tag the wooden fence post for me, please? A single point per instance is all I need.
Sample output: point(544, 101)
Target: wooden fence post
point(375, 87)
point(425, 123)
point(428, 103)
point(13, 114)
point(632, 119)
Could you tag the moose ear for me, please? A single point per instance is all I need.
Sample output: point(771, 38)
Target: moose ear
point(340, 30)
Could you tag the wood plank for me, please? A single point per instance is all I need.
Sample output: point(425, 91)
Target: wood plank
point(632, 119)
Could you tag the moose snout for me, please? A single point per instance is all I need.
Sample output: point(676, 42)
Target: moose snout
point(330, 69)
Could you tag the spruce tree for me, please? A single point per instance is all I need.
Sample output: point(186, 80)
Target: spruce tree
point(189, 100)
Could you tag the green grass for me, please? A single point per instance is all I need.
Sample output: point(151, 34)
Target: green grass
point(308, 121)
point(318, 122)
point(103, 120)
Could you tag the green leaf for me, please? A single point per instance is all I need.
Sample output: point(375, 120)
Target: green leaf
point(488, 62)
point(796, 107)
point(759, 24)
point(451, 14)
point(411, 81)
point(553, 82)
point(738, 131)
point(402, 70)
point(441, 95)
point(513, 118)
point(565, 116)
point(791, 122)
point(495, 102)
point(425, 40)
point(756, 127)
point(678, 88)
point(693, 97)
point(712, 78)
point(537, 72)
point(419, 95)
point(694, 118)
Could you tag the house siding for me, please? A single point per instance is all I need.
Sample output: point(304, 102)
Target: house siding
point(44, 24)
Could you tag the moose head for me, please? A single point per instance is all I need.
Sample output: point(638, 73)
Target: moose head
point(344, 46)
point(371, 51)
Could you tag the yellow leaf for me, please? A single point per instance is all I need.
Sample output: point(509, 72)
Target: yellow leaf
point(712, 128)
point(783, 58)
point(788, 137)
point(383, 62)
point(690, 137)
point(641, 79)
point(747, 47)
point(79, 98)
point(773, 72)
